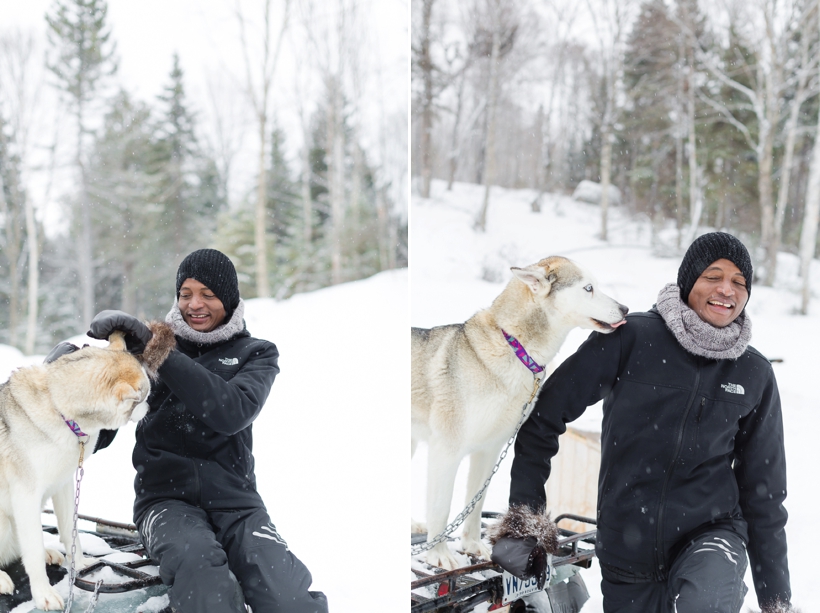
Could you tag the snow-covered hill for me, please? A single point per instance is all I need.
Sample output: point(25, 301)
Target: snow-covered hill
point(454, 271)
point(331, 444)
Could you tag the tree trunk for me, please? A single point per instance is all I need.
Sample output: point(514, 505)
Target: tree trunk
point(33, 276)
point(335, 174)
point(788, 163)
point(606, 168)
point(695, 196)
point(85, 259)
point(129, 289)
point(260, 228)
point(454, 148)
point(765, 165)
point(427, 101)
point(307, 203)
point(489, 146)
point(808, 234)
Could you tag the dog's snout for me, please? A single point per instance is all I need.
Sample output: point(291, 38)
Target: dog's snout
point(623, 308)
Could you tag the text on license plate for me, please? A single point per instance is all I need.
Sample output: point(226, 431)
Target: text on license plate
point(515, 588)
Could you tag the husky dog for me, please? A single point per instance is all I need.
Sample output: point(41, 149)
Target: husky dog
point(468, 386)
point(91, 389)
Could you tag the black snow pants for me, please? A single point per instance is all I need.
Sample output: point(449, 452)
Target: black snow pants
point(211, 560)
point(707, 576)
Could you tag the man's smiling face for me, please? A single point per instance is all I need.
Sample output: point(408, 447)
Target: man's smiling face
point(200, 308)
point(719, 294)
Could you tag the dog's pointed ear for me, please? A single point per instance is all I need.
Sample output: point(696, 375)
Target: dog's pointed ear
point(116, 342)
point(536, 278)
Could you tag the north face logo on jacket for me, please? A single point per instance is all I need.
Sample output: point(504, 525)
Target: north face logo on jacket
point(229, 361)
point(733, 388)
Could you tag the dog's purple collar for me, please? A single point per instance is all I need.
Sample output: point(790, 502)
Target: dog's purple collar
point(75, 427)
point(522, 354)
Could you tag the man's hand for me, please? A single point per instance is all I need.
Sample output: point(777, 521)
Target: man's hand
point(522, 540)
point(59, 351)
point(137, 333)
point(523, 557)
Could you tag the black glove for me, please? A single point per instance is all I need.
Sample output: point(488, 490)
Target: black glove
point(60, 350)
point(137, 333)
point(522, 557)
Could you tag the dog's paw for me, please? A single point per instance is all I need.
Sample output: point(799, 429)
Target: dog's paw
point(440, 555)
point(83, 561)
point(46, 598)
point(417, 527)
point(54, 557)
point(6, 584)
point(477, 548)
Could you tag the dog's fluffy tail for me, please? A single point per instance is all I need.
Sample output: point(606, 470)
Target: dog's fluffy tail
point(162, 343)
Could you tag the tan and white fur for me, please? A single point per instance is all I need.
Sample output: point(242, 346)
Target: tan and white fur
point(468, 387)
point(99, 388)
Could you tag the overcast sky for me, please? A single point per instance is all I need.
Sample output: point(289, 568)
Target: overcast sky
point(205, 35)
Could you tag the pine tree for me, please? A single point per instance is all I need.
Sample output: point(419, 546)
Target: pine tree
point(12, 234)
point(134, 265)
point(176, 168)
point(650, 80)
point(84, 57)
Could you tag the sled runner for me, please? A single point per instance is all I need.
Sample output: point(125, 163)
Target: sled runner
point(128, 579)
point(464, 588)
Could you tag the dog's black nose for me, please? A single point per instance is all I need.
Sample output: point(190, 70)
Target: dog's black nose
point(624, 309)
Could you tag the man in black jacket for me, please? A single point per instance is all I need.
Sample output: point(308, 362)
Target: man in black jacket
point(196, 506)
point(693, 471)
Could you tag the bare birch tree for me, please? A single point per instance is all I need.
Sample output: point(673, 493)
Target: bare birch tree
point(260, 97)
point(494, 7)
point(331, 40)
point(562, 17)
point(424, 61)
point(765, 96)
point(806, 64)
point(610, 30)
point(811, 213)
point(19, 96)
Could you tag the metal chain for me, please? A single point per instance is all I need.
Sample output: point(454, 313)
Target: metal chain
point(72, 570)
point(92, 604)
point(461, 517)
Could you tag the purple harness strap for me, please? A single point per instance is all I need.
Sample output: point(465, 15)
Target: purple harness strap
point(522, 354)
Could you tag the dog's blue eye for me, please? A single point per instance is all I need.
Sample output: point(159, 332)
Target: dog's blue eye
point(588, 288)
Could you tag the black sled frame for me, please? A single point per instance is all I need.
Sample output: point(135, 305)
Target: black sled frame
point(462, 589)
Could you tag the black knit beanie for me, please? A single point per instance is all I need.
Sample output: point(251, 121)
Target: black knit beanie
point(215, 271)
point(708, 249)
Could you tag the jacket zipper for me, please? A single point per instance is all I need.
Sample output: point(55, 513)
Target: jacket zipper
point(660, 570)
point(700, 410)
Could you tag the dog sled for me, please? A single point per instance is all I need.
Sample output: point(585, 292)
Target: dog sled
point(122, 580)
point(487, 585)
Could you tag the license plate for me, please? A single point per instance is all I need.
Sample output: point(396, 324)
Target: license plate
point(515, 588)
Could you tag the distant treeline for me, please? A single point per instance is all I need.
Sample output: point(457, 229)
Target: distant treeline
point(148, 189)
point(703, 115)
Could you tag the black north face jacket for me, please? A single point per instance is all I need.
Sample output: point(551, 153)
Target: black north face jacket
point(195, 443)
point(687, 443)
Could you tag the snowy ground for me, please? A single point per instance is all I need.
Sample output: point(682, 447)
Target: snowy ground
point(449, 264)
point(331, 445)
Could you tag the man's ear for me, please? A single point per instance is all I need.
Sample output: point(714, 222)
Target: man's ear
point(535, 278)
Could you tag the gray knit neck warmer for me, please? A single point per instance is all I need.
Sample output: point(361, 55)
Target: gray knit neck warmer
point(219, 334)
point(700, 337)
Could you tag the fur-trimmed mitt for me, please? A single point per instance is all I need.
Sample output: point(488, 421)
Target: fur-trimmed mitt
point(778, 606)
point(162, 343)
point(521, 541)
